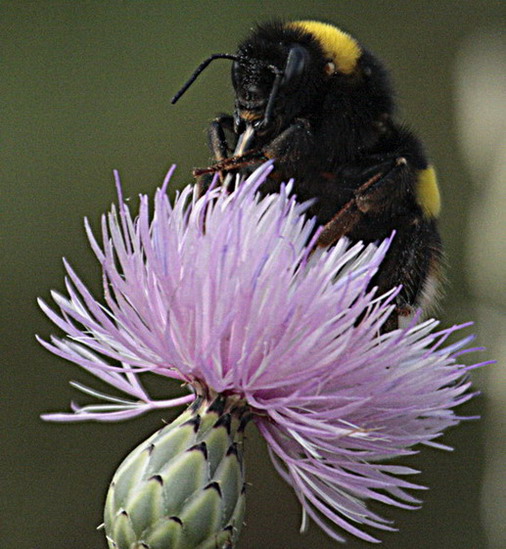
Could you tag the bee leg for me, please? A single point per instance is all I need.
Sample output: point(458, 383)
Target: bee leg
point(218, 142)
point(291, 144)
point(286, 148)
point(220, 149)
point(389, 189)
point(346, 219)
point(232, 163)
point(203, 182)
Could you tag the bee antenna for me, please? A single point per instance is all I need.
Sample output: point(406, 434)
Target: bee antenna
point(199, 69)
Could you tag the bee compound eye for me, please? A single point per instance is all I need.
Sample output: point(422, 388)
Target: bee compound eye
point(296, 62)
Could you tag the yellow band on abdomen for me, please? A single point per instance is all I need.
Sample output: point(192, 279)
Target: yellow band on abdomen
point(427, 192)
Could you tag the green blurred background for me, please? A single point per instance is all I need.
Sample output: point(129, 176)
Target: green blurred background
point(85, 88)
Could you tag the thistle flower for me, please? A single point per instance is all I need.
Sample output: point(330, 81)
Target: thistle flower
point(224, 294)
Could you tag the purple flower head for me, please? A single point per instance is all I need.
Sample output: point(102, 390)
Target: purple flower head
point(224, 293)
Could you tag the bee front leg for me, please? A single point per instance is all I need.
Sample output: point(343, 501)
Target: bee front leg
point(218, 142)
point(220, 148)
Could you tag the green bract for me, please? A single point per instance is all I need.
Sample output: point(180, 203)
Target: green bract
point(183, 488)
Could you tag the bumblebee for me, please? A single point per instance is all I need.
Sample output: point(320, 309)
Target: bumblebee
point(309, 96)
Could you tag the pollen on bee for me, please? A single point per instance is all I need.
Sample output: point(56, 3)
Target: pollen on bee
point(330, 68)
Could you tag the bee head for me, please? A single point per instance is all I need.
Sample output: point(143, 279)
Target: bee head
point(284, 70)
point(275, 76)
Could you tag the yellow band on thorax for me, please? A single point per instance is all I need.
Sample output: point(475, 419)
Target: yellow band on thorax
point(340, 47)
